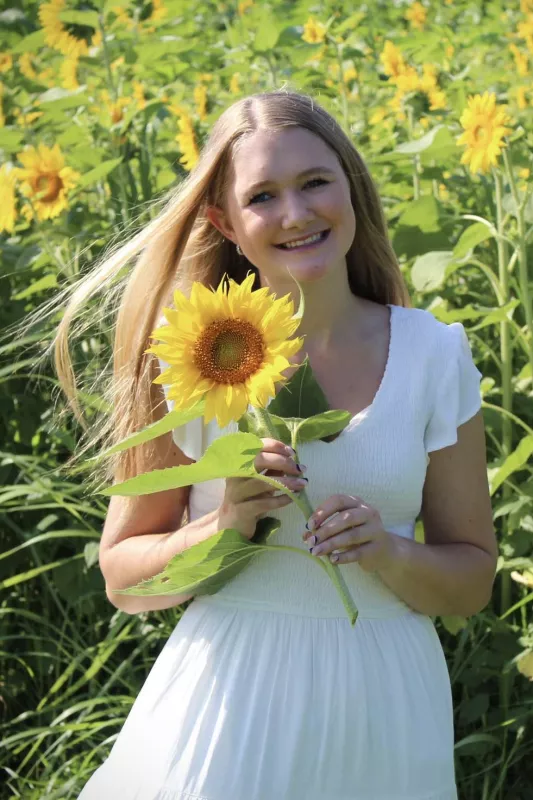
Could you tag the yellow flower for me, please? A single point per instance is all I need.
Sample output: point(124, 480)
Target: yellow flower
point(187, 142)
point(115, 107)
point(392, 60)
point(525, 31)
point(520, 59)
point(138, 94)
point(485, 125)
point(416, 15)
point(46, 77)
point(378, 116)
point(437, 99)
point(68, 69)
point(443, 191)
point(408, 80)
point(25, 120)
point(229, 346)
point(6, 62)
point(69, 39)
point(234, 83)
point(450, 50)
point(8, 213)
point(26, 67)
point(139, 12)
point(200, 98)
point(314, 31)
point(350, 74)
point(46, 180)
point(521, 92)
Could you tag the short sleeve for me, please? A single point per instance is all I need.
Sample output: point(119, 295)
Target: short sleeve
point(189, 437)
point(455, 390)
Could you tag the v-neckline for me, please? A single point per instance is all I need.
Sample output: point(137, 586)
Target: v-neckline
point(369, 409)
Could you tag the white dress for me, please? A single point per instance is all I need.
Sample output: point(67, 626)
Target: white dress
point(264, 691)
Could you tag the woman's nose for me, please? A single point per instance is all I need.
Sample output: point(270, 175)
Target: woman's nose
point(295, 211)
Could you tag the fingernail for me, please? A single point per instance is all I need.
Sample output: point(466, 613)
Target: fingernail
point(301, 467)
point(312, 541)
point(334, 558)
point(310, 524)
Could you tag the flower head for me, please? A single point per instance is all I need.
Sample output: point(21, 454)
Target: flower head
point(416, 15)
point(200, 98)
point(392, 60)
point(7, 193)
point(45, 179)
point(234, 84)
point(68, 72)
point(26, 67)
point(314, 31)
point(186, 140)
point(70, 39)
point(485, 125)
point(229, 346)
point(6, 62)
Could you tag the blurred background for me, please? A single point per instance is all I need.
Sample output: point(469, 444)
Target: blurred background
point(103, 107)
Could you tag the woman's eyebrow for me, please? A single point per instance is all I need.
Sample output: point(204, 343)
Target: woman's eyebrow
point(255, 186)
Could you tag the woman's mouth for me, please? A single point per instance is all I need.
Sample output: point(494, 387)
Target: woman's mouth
point(306, 242)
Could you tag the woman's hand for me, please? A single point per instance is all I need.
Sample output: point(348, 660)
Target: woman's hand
point(246, 500)
point(347, 524)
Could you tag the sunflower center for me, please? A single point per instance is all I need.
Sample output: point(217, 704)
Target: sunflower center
point(47, 186)
point(229, 351)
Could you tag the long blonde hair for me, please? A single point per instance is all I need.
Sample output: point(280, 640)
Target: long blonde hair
point(180, 246)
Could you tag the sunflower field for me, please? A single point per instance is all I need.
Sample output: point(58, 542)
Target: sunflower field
point(103, 107)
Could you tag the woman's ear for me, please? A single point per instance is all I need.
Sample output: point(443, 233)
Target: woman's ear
point(217, 217)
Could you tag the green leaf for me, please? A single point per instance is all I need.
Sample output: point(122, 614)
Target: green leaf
point(85, 18)
point(321, 425)
point(46, 282)
point(250, 423)
point(454, 624)
point(57, 99)
point(267, 32)
point(470, 238)
point(31, 43)
point(497, 315)
point(418, 145)
point(516, 460)
point(171, 420)
point(301, 396)
point(10, 140)
point(94, 175)
point(423, 214)
point(430, 270)
point(232, 455)
point(203, 568)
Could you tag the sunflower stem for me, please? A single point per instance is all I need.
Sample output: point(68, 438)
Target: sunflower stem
point(302, 501)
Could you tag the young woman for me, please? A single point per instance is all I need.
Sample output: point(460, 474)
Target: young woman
point(264, 691)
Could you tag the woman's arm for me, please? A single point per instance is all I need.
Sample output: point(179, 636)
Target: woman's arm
point(453, 572)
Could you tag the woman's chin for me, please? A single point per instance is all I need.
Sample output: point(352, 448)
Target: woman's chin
point(310, 271)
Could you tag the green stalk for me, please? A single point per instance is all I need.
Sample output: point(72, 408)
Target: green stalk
point(416, 157)
point(527, 300)
point(506, 352)
point(302, 501)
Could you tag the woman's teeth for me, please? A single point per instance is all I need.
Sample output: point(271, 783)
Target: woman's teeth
point(316, 237)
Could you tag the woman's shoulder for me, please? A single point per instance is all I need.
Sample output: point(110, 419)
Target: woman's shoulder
point(424, 331)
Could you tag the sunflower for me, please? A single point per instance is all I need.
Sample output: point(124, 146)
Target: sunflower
point(314, 31)
point(68, 72)
point(234, 86)
point(200, 98)
point(26, 67)
point(484, 128)
point(186, 140)
point(70, 39)
point(229, 346)
point(8, 212)
point(392, 60)
point(416, 15)
point(6, 62)
point(45, 179)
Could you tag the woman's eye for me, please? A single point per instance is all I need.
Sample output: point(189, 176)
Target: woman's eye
point(256, 197)
point(313, 180)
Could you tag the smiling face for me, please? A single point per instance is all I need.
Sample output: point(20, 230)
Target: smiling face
point(288, 205)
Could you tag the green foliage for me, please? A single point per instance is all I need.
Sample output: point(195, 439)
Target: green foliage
point(71, 665)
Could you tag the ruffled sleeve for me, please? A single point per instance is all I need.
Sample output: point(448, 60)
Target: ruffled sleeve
point(455, 389)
